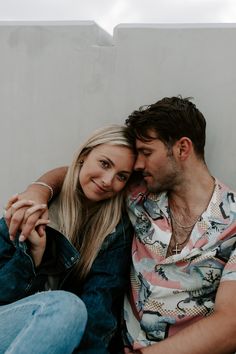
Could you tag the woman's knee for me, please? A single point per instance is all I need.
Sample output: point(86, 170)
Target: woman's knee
point(72, 309)
point(72, 306)
point(64, 307)
point(60, 315)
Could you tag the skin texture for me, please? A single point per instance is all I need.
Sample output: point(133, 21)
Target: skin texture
point(105, 171)
point(37, 243)
point(158, 164)
point(19, 215)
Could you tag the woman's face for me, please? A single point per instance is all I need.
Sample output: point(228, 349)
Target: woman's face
point(105, 171)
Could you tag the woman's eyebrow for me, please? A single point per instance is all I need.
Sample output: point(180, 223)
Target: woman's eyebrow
point(112, 163)
point(109, 160)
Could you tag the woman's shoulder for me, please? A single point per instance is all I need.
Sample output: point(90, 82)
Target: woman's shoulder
point(121, 236)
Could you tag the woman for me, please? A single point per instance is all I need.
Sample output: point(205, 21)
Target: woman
point(92, 261)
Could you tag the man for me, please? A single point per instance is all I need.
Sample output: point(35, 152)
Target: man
point(184, 259)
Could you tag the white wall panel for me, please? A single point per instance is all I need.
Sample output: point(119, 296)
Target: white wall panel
point(59, 81)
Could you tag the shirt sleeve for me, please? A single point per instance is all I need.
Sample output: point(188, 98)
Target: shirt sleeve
point(229, 253)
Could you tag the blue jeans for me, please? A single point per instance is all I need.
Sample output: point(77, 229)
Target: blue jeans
point(47, 322)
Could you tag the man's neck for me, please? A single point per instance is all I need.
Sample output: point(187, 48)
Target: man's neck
point(194, 192)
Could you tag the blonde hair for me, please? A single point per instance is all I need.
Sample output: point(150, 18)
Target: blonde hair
point(87, 229)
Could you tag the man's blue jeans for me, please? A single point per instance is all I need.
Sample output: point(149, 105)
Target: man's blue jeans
point(45, 323)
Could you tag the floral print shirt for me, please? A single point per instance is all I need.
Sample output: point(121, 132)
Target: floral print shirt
point(169, 293)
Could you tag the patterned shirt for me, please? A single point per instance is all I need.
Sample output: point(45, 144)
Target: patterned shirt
point(169, 293)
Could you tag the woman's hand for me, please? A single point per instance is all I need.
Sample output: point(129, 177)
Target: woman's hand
point(37, 242)
point(24, 210)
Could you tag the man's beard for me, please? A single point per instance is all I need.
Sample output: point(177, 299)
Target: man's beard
point(166, 183)
point(158, 187)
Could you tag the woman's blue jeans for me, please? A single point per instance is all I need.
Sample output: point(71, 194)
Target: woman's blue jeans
point(45, 323)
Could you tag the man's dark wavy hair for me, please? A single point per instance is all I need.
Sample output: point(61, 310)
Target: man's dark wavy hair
point(171, 118)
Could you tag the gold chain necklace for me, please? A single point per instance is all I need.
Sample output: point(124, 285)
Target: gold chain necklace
point(180, 225)
point(177, 245)
point(176, 249)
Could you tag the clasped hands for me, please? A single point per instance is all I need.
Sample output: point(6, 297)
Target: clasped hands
point(30, 219)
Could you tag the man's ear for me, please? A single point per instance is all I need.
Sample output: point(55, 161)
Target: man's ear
point(183, 148)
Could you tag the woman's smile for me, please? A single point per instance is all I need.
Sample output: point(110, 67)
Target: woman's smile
point(105, 171)
point(99, 187)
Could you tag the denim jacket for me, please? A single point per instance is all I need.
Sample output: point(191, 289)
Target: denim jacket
point(102, 290)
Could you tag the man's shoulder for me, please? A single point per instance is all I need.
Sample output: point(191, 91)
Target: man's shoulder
point(225, 199)
point(224, 189)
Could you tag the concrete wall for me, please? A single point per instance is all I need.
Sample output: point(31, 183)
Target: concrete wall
point(59, 81)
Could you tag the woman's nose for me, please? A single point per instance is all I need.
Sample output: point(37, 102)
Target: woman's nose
point(107, 179)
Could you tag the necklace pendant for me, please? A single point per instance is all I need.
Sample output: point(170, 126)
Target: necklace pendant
point(176, 250)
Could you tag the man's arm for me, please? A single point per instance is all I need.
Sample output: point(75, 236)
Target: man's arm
point(214, 334)
point(22, 211)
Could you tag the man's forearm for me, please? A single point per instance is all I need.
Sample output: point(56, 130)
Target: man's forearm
point(54, 178)
point(20, 210)
point(212, 334)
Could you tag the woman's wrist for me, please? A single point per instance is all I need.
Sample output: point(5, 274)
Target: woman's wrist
point(37, 257)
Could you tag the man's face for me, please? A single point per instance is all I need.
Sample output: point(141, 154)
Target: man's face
point(158, 164)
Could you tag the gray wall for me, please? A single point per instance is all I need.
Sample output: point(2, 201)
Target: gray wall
point(59, 81)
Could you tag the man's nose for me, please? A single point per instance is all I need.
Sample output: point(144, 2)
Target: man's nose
point(139, 164)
